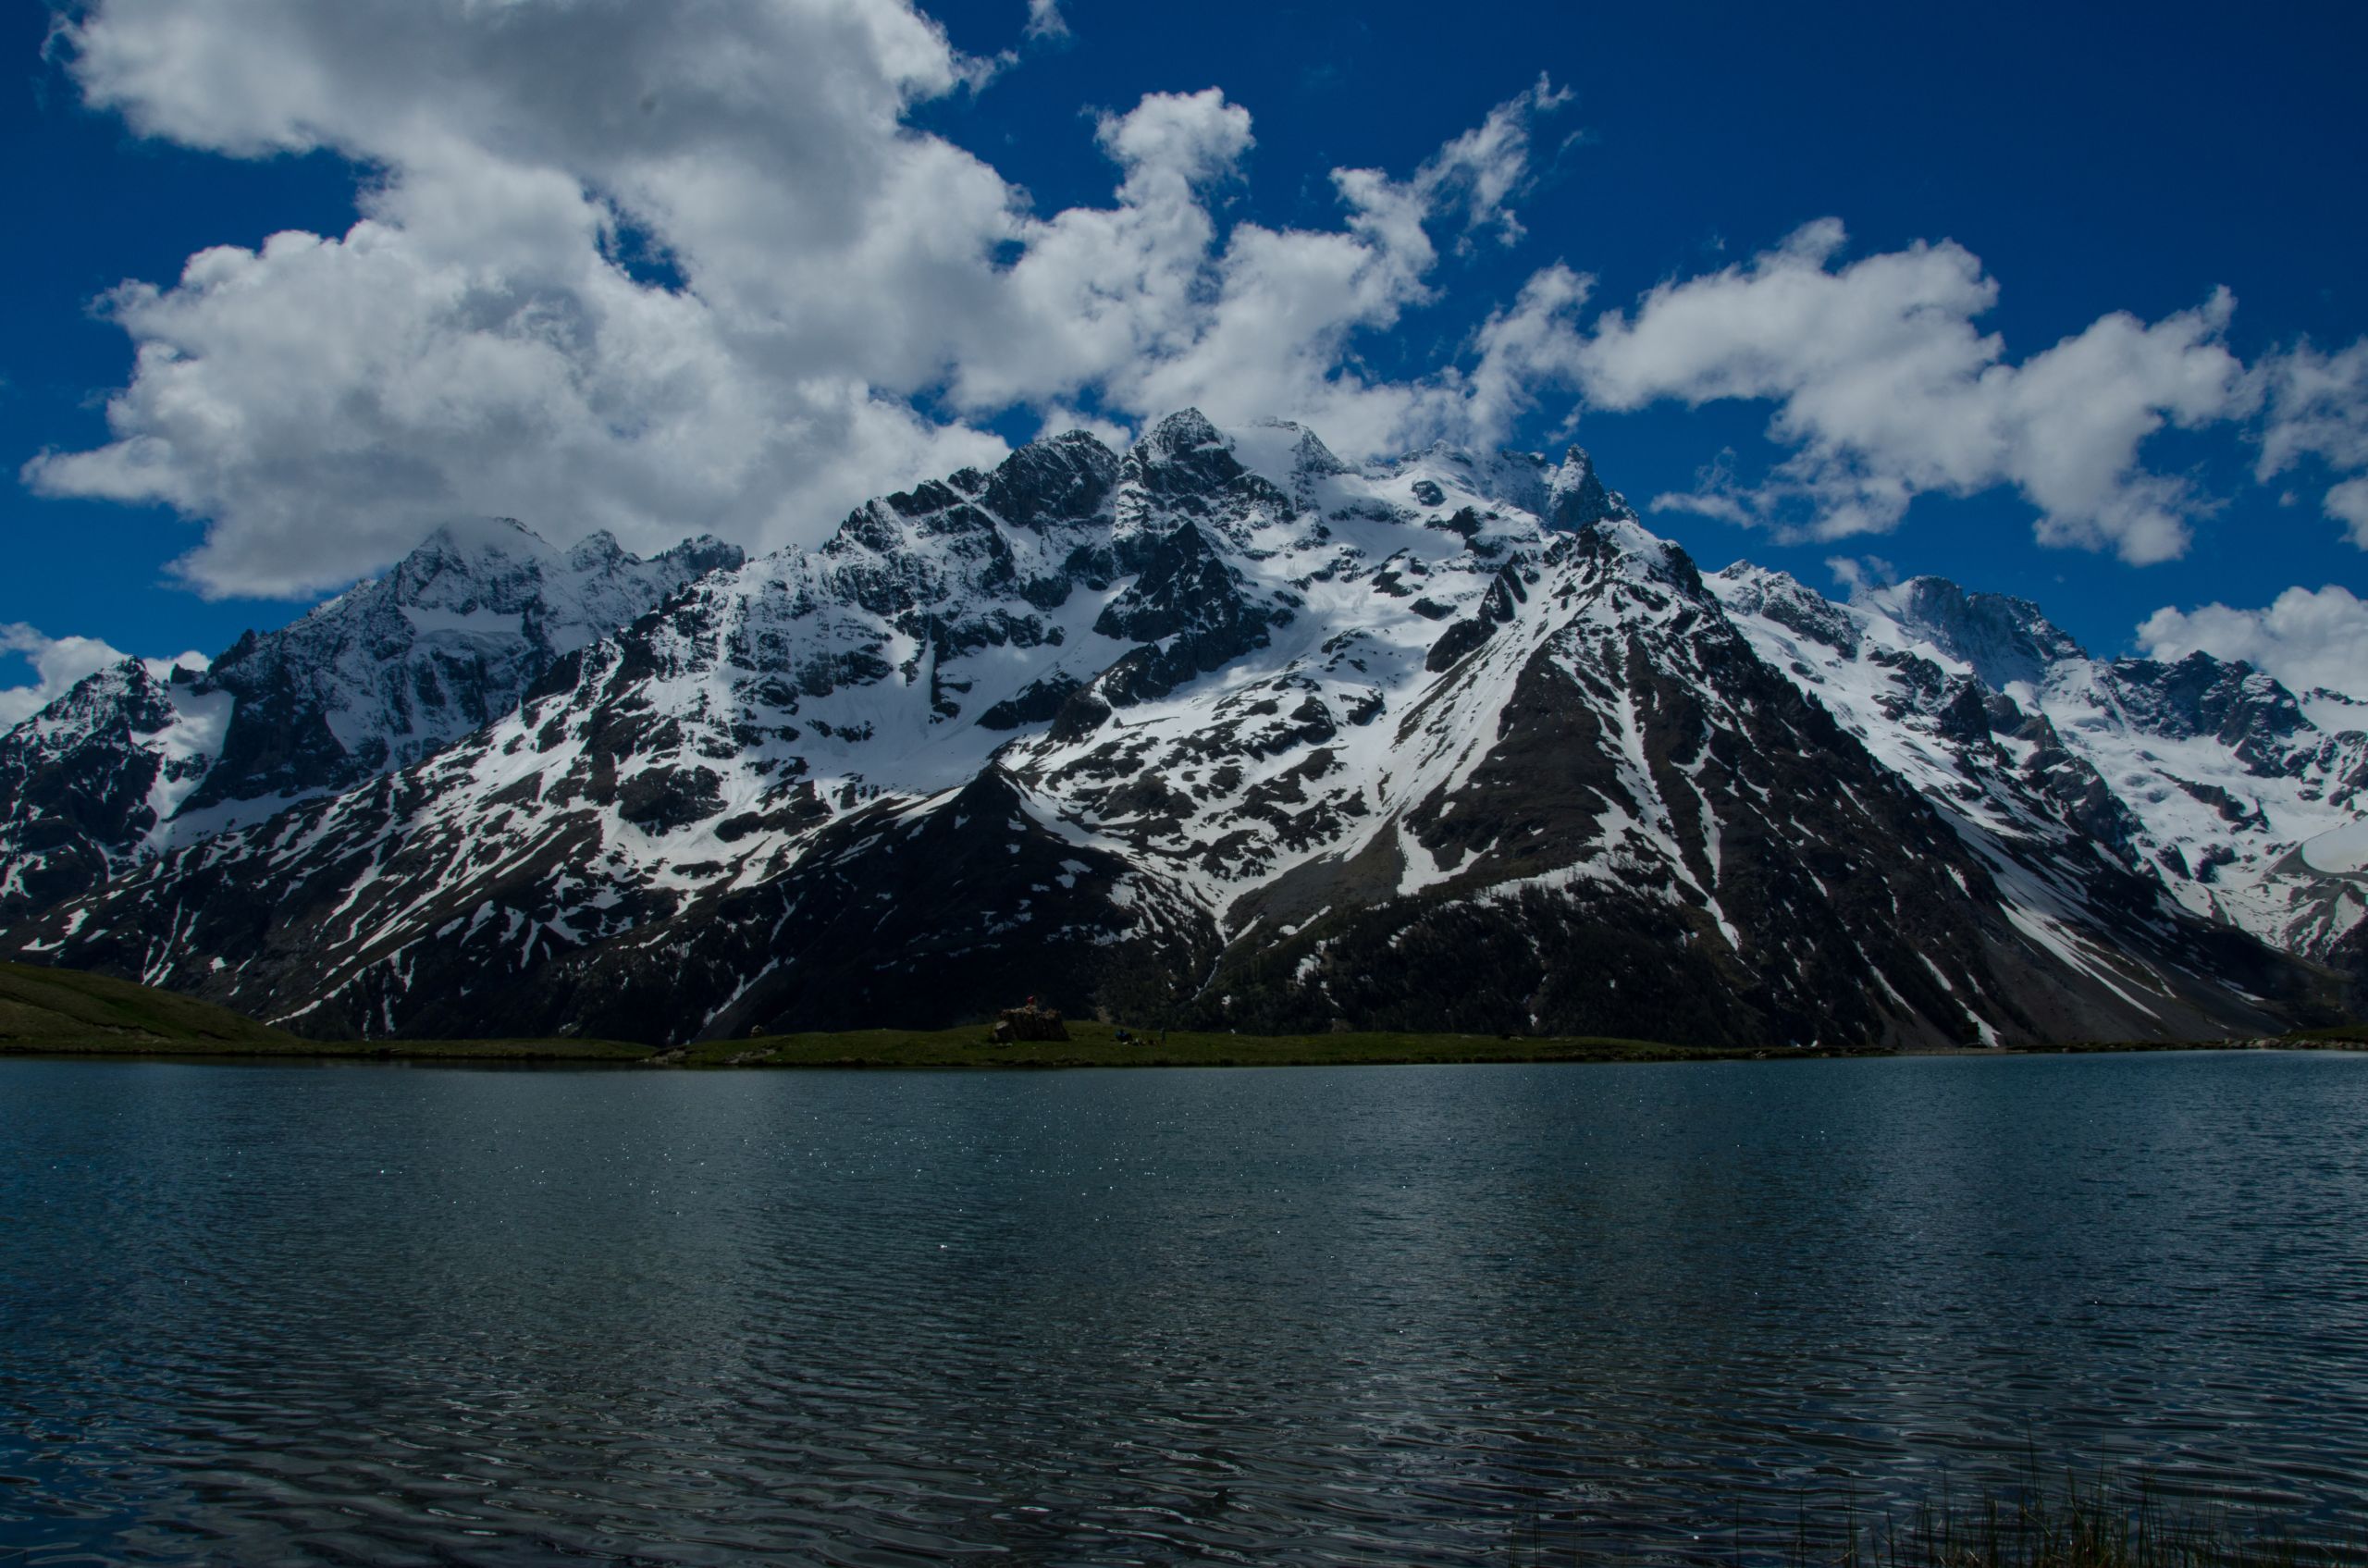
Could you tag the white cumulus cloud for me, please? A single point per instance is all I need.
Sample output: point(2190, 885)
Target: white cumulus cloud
point(2305, 638)
point(1147, 302)
point(1885, 389)
point(658, 268)
point(2316, 405)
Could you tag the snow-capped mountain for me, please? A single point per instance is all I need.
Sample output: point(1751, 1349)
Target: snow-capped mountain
point(1219, 728)
point(140, 758)
point(2205, 776)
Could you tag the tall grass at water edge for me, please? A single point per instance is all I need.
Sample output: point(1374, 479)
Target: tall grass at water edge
point(2098, 1523)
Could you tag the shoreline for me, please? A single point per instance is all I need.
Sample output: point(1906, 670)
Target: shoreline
point(72, 1013)
point(1092, 1045)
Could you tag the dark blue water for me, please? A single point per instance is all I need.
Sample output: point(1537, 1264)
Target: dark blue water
point(385, 1314)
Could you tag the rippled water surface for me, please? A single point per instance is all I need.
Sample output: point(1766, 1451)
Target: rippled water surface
point(385, 1314)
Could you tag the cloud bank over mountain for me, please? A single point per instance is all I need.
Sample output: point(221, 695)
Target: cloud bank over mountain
point(658, 269)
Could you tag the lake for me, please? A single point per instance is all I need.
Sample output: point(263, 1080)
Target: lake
point(370, 1312)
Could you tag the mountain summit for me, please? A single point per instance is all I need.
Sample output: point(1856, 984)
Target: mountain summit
point(1223, 729)
point(133, 761)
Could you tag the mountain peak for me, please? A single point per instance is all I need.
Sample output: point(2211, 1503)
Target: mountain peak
point(1186, 430)
point(1052, 477)
point(1577, 499)
point(2004, 638)
point(2202, 693)
point(1789, 602)
point(597, 548)
point(700, 554)
point(384, 674)
point(1184, 454)
point(1286, 455)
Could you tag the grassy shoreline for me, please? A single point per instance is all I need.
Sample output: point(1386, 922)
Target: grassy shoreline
point(1093, 1045)
point(72, 1013)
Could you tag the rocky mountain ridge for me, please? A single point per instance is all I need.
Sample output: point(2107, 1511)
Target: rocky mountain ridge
point(2205, 776)
point(1224, 729)
point(138, 758)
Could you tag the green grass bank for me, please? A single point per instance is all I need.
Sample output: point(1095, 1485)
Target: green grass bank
point(1098, 1045)
point(69, 1012)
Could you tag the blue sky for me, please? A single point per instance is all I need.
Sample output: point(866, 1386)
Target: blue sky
point(2085, 161)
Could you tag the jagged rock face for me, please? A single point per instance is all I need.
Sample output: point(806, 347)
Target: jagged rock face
point(94, 773)
point(450, 640)
point(2003, 640)
point(1597, 852)
point(2249, 713)
point(130, 764)
point(1578, 500)
point(2102, 785)
point(1222, 730)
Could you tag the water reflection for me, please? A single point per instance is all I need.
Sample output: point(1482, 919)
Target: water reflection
point(274, 1314)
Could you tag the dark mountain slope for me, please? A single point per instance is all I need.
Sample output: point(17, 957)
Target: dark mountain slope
point(1217, 730)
